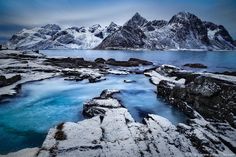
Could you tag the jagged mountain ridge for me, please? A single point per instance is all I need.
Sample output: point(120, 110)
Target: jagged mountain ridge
point(183, 31)
point(51, 36)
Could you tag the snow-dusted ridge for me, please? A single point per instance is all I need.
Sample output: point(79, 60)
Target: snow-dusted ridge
point(184, 31)
point(51, 36)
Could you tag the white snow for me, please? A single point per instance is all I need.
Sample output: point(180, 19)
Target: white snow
point(221, 77)
point(110, 102)
point(117, 72)
point(35, 39)
point(156, 78)
point(94, 73)
point(211, 33)
point(119, 135)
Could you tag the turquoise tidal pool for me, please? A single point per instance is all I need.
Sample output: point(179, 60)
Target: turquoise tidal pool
point(26, 118)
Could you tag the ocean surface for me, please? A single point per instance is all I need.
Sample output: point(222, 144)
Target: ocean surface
point(215, 60)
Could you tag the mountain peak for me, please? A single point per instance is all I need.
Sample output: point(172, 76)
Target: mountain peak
point(112, 24)
point(136, 21)
point(112, 27)
point(94, 28)
point(52, 26)
point(137, 15)
point(183, 13)
point(183, 17)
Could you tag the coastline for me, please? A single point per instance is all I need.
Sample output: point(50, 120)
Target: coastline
point(94, 73)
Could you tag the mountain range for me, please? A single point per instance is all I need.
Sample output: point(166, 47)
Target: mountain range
point(183, 31)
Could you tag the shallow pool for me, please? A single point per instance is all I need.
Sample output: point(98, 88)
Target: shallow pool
point(25, 119)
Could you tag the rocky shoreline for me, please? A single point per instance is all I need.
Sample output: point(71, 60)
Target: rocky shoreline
point(19, 67)
point(208, 99)
point(111, 131)
point(212, 96)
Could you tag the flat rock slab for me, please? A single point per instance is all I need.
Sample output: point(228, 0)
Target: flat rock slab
point(117, 134)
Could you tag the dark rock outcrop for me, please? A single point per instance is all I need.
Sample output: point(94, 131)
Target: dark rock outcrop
point(125, 38)
point(209, 101)
point(100, 60)
point(129, 63)
point(195, 65)
point(187, 23)
point(212, 97)
point(128, 36)
point(70, 62)
point(231, 73)
point(136, 21)
point(219, 36)
point(8, 81)
point(112, 27)
point(156, 24)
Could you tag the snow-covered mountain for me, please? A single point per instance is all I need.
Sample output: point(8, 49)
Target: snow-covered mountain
point(183, 31)
point(52, 36)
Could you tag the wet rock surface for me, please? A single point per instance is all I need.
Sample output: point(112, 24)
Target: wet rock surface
point(70, 62)
point(130, 62)
point(79, 69)
point(195, 65)
point(209, 101)
point(17, 67)
point(232, 73)
point(99, 62)
point(111, 131)
point(212, 97)
point(8, 81)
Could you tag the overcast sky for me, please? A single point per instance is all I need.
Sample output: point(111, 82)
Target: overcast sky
point(18, 14)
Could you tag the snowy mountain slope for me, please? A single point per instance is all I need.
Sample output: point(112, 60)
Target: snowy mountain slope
point(219, 37)
point(53, 37)
point(183, 31)
point(27, 38)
